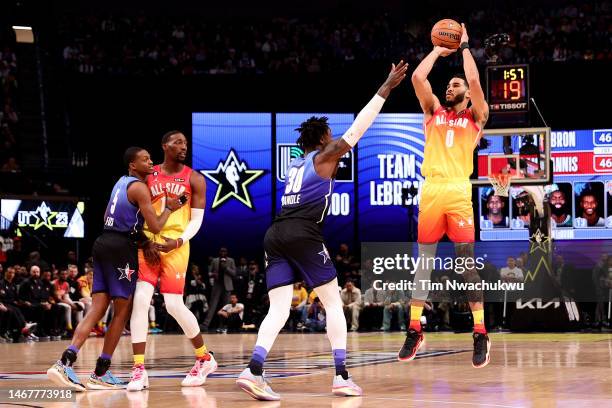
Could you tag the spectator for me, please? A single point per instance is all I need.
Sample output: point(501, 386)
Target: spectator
point(316, 321)
point(14, 324)
point(62, 299)
point(345, 264)
point(253, 293)
point(373, 305)
point(75, 289)
point(35, 259)
point(231, 315)
point(511, 273)
point(222, 271)
point(395, 303)
point(195, 293)
point(298, 307)
point(351, 299)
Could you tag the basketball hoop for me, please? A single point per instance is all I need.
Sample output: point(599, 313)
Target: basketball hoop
point(501, 183)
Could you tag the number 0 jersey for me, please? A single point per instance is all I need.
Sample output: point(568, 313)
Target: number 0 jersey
point(450, 139)
point(306, 195)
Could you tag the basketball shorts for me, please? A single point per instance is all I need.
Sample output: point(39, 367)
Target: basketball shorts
point(170, 272)
point(295, 252)
point(115, 258)
point(445, 207)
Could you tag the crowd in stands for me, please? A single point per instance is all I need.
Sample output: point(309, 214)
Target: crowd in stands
point(140, 45)
point(42, 301)
point(9, 119)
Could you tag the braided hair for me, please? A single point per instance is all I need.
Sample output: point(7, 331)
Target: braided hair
point(311, 132)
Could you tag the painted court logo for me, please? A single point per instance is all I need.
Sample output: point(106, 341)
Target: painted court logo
point(232, 177)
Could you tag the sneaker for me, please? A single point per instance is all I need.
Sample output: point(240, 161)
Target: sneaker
point(414, 341)
point(107, 382)
point(482, 348)
point(155, 330)
point(64, 376)
point(200, 370)
point(30, 326)
point(139, 379)
point(256, 386)
point(345, 388)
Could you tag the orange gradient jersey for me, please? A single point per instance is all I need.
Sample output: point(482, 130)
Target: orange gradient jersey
point(174, 185)
point(450, 139)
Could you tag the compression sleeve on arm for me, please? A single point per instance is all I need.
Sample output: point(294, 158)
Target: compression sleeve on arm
point(197, 215)
point(363, 120)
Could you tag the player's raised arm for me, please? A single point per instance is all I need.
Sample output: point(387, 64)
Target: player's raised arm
point(327, 160)
point(429, 102)
point(480, 107)
point(139, 193)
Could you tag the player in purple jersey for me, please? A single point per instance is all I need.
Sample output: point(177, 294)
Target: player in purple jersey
point(294, 245)
point(115, 270)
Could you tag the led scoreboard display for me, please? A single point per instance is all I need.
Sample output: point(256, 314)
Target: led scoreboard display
point(508, 88)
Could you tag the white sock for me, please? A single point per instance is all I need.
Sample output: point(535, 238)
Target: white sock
point(280, 304)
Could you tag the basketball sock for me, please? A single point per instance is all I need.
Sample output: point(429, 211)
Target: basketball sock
point(102, 365)
point(70, 355)
point(479, 326)
point(415, 317)
point(202, 353)
point(139, 359)
point(340, 362)
point(257, 360)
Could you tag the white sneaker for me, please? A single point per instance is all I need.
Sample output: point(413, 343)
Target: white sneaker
point(200, 370)
point(346, 388)
point(256, 386)
point(139, 379)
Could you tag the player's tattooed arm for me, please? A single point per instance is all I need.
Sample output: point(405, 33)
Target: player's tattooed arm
point(480, 107)
point(428, 101)
point(327, 161)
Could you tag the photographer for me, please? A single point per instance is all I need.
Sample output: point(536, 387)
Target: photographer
point(221, 271)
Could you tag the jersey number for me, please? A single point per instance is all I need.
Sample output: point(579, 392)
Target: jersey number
point(112, 209)
point(450, 135)
point(294, 177)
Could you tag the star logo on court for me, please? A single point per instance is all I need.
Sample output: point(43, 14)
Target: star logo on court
point(126, 273)
point(232, 176)
point(324, 254)
point(43, 215)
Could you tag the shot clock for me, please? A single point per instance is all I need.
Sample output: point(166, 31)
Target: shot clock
point(508, 93)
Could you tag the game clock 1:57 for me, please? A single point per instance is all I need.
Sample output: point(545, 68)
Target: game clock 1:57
point(508, 88)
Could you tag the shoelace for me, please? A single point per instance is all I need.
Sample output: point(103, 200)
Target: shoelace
point(137, 373)
point(195, 370)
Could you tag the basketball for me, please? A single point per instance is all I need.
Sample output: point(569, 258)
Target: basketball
point(446, 33)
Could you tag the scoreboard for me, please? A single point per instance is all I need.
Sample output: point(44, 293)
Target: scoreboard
point(508, 93)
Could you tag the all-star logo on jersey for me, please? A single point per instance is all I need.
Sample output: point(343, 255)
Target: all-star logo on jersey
point(232, 177)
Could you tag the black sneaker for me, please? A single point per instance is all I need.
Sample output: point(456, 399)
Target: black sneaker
point(412, 344)
point(482, 346)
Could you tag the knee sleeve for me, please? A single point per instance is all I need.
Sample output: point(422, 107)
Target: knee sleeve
point(183, 316)
point(139, 322)
point(280, 303)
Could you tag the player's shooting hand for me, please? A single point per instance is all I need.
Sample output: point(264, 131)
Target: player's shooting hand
point(443, 52)
point(168, 245)
point(151, 254)
point(464, 34)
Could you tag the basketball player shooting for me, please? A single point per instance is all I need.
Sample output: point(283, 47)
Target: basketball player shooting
point(452, 131)
point(174, 179)
point(294, 245)
point(115, 257)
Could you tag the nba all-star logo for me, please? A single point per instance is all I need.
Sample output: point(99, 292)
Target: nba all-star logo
point(232, 177)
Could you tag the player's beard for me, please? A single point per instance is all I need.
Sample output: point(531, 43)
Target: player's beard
point(455, 101)
point(557, 210)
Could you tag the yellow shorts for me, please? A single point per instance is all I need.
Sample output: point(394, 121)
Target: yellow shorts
point(170, 272)
point(445, 207)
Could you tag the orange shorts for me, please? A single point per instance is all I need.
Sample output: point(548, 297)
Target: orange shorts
point(170, 272)
point(445, 207)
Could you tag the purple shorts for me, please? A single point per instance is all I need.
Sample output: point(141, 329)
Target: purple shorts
point(115, 258)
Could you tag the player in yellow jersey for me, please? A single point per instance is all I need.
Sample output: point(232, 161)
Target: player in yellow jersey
point(452, 131)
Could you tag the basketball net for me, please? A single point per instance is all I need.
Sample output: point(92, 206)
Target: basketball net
point(501, 183)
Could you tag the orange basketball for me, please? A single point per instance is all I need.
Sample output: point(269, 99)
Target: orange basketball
point(446, 33)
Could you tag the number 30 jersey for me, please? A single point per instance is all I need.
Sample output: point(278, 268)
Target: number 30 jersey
point(306, 195)
point(450, 139)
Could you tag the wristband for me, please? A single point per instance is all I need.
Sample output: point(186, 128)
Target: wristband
point(464, 45)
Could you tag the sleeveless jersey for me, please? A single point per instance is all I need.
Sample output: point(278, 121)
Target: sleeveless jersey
point(121, 215)
point(450, 139)
point(174, 185)
point(306, 194)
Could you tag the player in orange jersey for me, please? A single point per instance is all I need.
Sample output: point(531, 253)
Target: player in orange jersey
point(452, 131)
point(174, 179)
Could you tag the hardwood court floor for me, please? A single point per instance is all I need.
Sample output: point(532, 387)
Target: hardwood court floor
point(527, 370)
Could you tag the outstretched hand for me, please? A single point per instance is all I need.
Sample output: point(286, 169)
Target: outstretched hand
point(397, 74)
point(464, 34)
